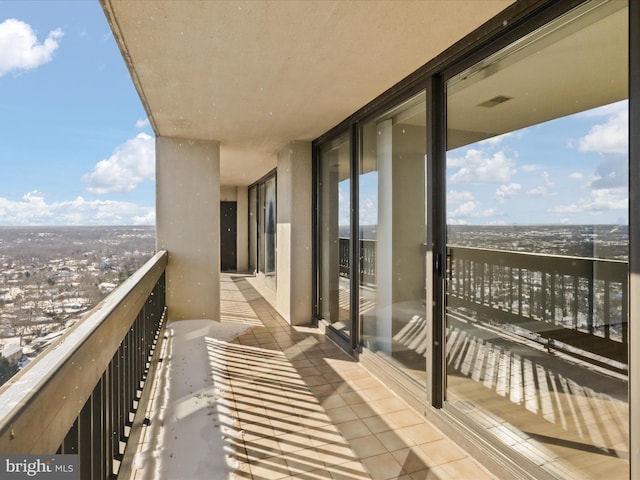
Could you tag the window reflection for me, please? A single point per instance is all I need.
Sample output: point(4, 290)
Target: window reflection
point(335, 234)
point(262, 229)
point(392, 237)
point(537, 244)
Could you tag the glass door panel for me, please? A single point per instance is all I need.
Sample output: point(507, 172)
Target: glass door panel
point(537, 244)
point(392, 237)
point(335, 235)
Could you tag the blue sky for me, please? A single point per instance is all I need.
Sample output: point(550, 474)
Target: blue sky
point(76, 147)
point(571, 170)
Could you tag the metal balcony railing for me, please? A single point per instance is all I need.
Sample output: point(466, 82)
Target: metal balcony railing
point(574, 304)
point(79, 397)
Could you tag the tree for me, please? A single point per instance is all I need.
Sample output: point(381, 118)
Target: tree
point(7, 370)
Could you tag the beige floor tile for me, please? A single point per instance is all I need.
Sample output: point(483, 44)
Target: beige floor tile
point(352, 397)
point(341, 414)
point(311, 475)
point(422, 433)
point(430, 474)
point(333, 401)
point(377, 424)
point(377, 393)
point(303, 461)
point(404, 418)
point(336, 453)
point(353, 429)
point(292, 442)
point(383, 467)
point(395, 440)
point(363, 410)
point(465, 468)
point(349, 471)
point(293, 406)
point(442, 451)
point(367, 446)
point(271, 468)
point(388, 405)
point(327, 434)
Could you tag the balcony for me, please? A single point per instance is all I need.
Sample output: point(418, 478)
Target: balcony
point(250, 396)
point(246, 397)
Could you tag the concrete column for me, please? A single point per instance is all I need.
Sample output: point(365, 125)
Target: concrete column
point(242, 248)
point(188, 225)
point(294, 233)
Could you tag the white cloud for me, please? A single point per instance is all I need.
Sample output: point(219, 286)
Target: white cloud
point(505, 192)
point(578, 176)
point(530, 168)
point(455, 197)
point(369, 210)
point(611, 137)
point(600, 201)
point(19, 47)
point(543, 190)
point(540, 191)
point(477, 167)
point(471, 210)
point(33, 209)
point(129, 165)
point(612, 171)
point(140, 123)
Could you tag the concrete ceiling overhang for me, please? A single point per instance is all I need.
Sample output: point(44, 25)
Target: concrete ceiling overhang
point(255, 75)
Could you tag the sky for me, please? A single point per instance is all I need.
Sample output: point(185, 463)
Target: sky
point(76, 147)
point(568, 171)
point(571, 170)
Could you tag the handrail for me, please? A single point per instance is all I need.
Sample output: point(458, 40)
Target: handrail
point(40, 405)
point(569, 303)
point(566, 302)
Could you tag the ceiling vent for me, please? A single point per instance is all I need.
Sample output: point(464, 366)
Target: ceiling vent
point(495, 101)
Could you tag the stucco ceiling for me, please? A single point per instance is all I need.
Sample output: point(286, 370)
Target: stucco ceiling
point(255, 75)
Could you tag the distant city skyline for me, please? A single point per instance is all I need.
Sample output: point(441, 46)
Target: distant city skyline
point(76, 148)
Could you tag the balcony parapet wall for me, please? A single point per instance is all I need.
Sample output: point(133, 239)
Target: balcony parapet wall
point(39, 406)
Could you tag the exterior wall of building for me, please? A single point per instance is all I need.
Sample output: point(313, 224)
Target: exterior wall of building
point(188, 225)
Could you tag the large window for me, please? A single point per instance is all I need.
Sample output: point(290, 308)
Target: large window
point(392, 236)
point(335, 234)
point(537, 244)
point(262, 228)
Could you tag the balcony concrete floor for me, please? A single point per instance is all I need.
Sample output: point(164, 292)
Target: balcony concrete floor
point(280, 402)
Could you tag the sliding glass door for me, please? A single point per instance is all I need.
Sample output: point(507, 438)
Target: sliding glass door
point(334, 235)
point(392, 237)
point(537, 244)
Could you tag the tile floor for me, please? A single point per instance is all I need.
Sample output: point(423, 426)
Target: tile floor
point(292, 405)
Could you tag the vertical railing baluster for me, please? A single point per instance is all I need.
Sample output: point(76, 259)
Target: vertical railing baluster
point(97, 431)
point(85, 444)
point(591, 305)
point(606, 321)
